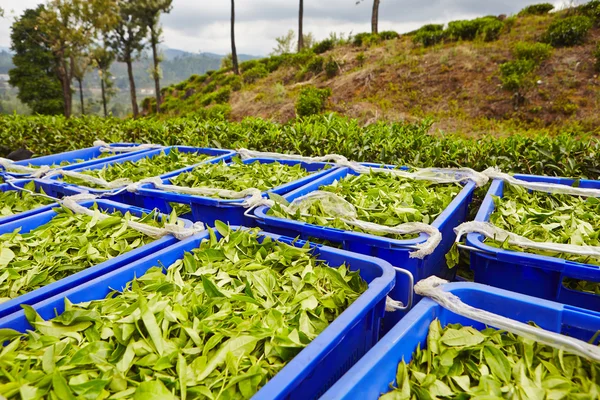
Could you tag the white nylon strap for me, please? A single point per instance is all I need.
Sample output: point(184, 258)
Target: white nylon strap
point(493, 232)
point(438, 175)
point(430, 287)
point(495, 173)
point(107, 148)
point(179, 232)
point(33, 172)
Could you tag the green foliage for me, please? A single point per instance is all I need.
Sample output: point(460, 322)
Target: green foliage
point(388, 35)
point(487, 28)
point(537, 9)
point(365, 39)
point(311, 101)
point(315, 65)
point(323, 46)
point(298, 59)
point(537, 52)
point(429, 35)
point(514, 75)
point(248, 65)
point(146, 167)
point(468, 351)
point(273, 63)
point(331, 67)
point(230, 314)
point(210, 72)
point(568, 31)
point(591, 10)
point(17, 201)
point(360, 58)
point(597, 57)
point(234, 81)
point(254, 74)
point(222, 95)
point(396, 200)
point(79, 238)
point(566, 154)
point(34, 66)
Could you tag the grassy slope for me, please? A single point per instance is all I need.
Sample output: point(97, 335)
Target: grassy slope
point(455, 83)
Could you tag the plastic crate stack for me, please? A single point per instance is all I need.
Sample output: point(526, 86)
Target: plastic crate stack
point(361, 348)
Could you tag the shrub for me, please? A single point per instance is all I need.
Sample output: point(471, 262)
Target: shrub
point(180, 85)
point(298, 59)
point(248, 65)
point(491, 30)
point(429, 35)
point(359, 38)
point(537, 52)
point(235, 81)
point(222, 95)
point(254, 74)
point(597, 56)
point(210, 87)
point(315, 65)
point(515, 74)
point(488, 28)
point(331, 68)
point(360, 58)
point(388, 35)
point(323, 46)
point(206, 100)
point(568, 31)
point(272, 63)
point(591, 10)
point(537, 9)
point(311, 101)
point(210, 72)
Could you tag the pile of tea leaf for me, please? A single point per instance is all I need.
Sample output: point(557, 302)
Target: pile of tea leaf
point(238, 176)
point(460, 362)
point(67, 244)
point(380, 198)
point(18, 201)
point(220, 323)
point(146, 167)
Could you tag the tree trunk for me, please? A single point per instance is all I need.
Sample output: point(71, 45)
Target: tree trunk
point(375, 17)
point(300, 21)
point(154, 43)
point(80, 81)
point(234, 58)
point(65, 83)
point(103, 96)
point(134, 104)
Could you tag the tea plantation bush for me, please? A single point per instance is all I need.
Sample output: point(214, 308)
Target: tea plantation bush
point(391, 143)
point(568, 31)
point(311, 101)
point(537, 9)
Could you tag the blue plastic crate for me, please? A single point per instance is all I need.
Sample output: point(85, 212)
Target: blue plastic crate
point(394, 251)
point(374, 373)
point(134, 199)
point(531, 274)
point(209, 209)
point(82, 158)
point(56, 190)
point(39, 218)
point(314, 369)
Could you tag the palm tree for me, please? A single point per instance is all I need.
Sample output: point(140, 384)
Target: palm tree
point(234, 58)
point(374, 15)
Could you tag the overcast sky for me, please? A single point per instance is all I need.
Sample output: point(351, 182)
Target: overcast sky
point(203, 25)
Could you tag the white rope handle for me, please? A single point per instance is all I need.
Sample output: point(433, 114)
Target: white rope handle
point(431, 287)
point(438, 175)
point(179, 232)
point(493, 232)
point(108, 148)
point(495, 173)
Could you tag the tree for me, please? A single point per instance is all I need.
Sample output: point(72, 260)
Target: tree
point(300, 22)
point(81, 64)
point(102, 58)
point(34, 73)
point(70, 27)
point(126, 40)
point(285, 43)
point(234, 58)
point(149, 12)
point(374, 16)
